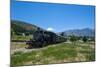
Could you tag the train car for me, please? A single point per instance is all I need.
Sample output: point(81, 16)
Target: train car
point(44, 38)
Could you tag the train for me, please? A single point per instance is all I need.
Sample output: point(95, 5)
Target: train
point(44, 38)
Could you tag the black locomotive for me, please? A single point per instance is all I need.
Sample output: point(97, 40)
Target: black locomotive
point(43, 38)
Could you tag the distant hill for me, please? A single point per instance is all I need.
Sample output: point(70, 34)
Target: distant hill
point(80, 32)
point(23, 27)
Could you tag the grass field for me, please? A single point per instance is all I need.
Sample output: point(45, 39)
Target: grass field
point(56, 53)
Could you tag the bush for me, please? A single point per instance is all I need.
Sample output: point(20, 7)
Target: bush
point(73, 38)
point(84, 39)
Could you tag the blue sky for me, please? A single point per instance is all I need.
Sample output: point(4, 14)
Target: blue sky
point(56, 17)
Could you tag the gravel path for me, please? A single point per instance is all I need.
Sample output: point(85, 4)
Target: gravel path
point(20, 46)
point(22, 50)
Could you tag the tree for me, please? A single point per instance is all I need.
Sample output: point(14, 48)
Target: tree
point(12, 33)
point(84, 39)
point(62, 34)
point(73, 38)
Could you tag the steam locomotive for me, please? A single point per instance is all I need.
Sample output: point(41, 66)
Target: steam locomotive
point(43, 38)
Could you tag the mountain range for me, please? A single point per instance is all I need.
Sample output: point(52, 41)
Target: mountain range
point(80, 32)
point(23, 27)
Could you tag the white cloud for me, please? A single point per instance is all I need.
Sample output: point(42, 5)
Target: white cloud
point(50, 29)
